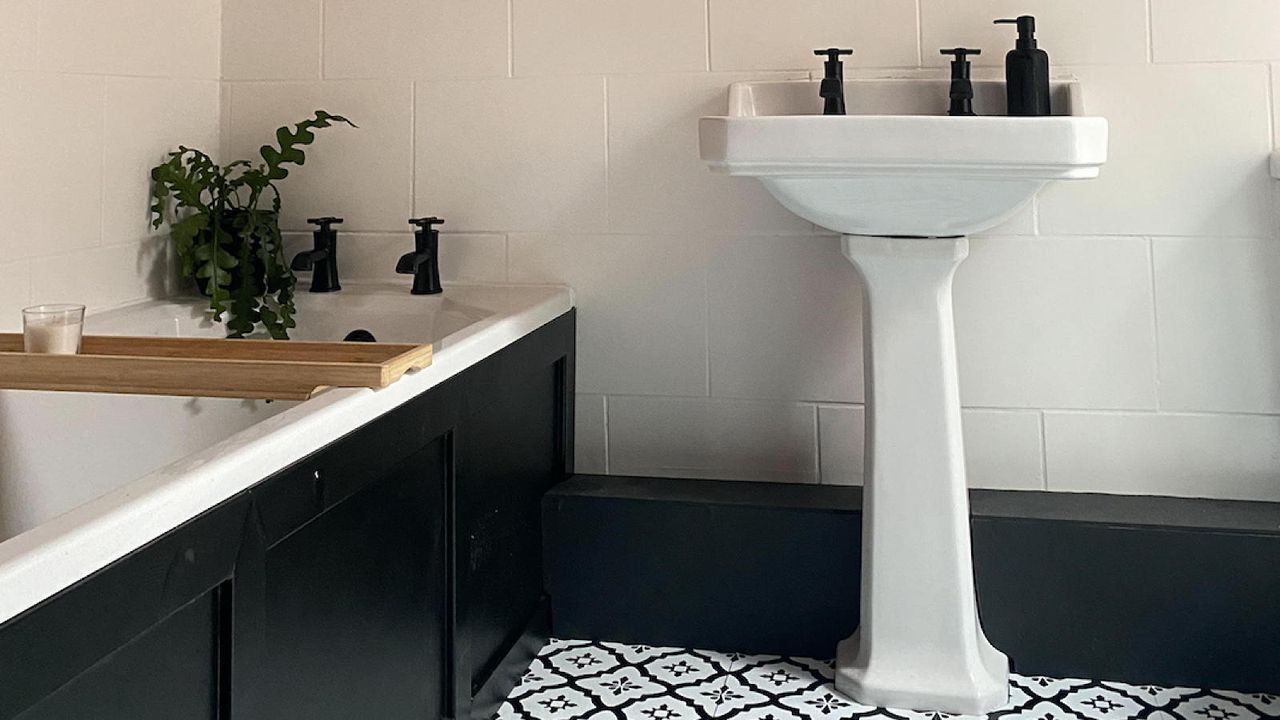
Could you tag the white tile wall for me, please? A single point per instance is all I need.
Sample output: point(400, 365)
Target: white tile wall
point(608, 36)
point(558, 139)
point(1056, 323)
point(92, 95)
point(131, 37)
point(1081, 32)
point(774, 35)
point(1176, 167)
point(1218, 311)
point(590, 441)
point(277, 40)
point(394, 38)
point(1246, 30)
point(785, 320)
point(364, 176)
point(1004, 449)
point(642, 326)
point(525, 155)
point(718, 439)
point(1223, 456)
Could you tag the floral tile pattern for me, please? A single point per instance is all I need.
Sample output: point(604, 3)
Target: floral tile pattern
point(580, 680)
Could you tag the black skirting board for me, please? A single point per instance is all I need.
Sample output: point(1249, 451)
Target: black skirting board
point(1152, 590)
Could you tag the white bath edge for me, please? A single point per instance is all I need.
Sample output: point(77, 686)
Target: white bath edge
point(41, 562)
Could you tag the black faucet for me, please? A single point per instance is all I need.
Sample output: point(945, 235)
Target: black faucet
point(424, 262)
point(322, 261)
point(961, 85)
point(832, 90)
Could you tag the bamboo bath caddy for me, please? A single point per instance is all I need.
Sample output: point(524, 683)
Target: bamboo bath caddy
point(200, 367)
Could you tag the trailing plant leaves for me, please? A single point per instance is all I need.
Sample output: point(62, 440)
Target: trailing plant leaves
point(222, 234)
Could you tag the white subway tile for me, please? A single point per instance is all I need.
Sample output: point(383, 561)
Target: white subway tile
point(1221, 456)
point(708, 438)
point(1081, 32)
point(1193, 31)
point(524, 155)
point(608, 36)
point(657, 180)
point(18, 34)
point(641, 307)
point(51, 175)
point(15, 294)
point(842, 444)
point(1056, 323)
point(155, 38)
point(363, 175)
point(464, 257)
point(785, 320)
point(399, 38)
point(103, 277)
point(146, 118)
point(773, 35)
point(589, 437)
point(1176, 168)
point(1218, 307)
point(277, 40)
point(1002, 448)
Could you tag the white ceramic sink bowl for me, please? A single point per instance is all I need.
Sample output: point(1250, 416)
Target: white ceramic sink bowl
point(904, 183)
point(897, 164)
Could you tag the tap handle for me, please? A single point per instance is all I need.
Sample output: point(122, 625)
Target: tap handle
point(426, 223)
point(833, 54)
point(325, 222)
point(960, 54)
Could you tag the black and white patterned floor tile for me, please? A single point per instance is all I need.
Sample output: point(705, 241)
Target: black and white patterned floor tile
point(580, 680)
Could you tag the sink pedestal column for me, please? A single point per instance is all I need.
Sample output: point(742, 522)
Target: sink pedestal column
point(919, 645)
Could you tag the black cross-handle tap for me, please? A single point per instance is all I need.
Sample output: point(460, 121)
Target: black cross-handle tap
point(832, 89)
point(961, 84)
point(424, 262)
point(322, 259)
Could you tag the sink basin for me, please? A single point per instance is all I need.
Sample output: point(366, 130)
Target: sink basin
point(897, 165)
point(904, 183)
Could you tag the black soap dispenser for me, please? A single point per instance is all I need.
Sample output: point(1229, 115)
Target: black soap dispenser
point(1027, 72)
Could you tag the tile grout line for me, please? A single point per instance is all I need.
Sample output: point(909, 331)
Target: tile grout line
point(1151, 33)
point(707, 32)
point(1155, 318)
point(1044, 450)
point(605, 399)
point(323, 29)
point(919, 33)
point(511, 39)
point(817, 443)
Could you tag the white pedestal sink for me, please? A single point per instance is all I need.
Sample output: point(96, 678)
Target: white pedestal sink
point(904, 184)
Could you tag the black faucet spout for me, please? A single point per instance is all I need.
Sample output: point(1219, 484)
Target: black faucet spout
point(424, 262)
point(832, 89)
point(322, 260)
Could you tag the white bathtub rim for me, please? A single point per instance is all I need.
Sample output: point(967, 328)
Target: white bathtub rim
point(53, 556)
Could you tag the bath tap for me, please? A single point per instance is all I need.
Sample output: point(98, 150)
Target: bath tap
point(832, 89)
point(322, 260)
point(424, 262)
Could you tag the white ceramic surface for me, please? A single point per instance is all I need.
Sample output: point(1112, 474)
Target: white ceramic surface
point(897, 165)
point(142, 489)
point(919, 643)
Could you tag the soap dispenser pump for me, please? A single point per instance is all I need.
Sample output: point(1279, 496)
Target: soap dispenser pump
point(1027, 72)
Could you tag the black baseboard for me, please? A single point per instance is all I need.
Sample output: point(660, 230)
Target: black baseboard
point(1153, 590)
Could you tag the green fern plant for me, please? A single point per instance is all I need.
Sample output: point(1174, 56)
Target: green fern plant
point(224, 221)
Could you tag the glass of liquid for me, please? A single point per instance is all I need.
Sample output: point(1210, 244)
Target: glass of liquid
point(53, 329)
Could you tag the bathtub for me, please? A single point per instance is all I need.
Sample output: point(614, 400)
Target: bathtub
point(86, 479)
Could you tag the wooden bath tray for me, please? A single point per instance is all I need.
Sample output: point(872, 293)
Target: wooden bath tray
point(199, 367)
